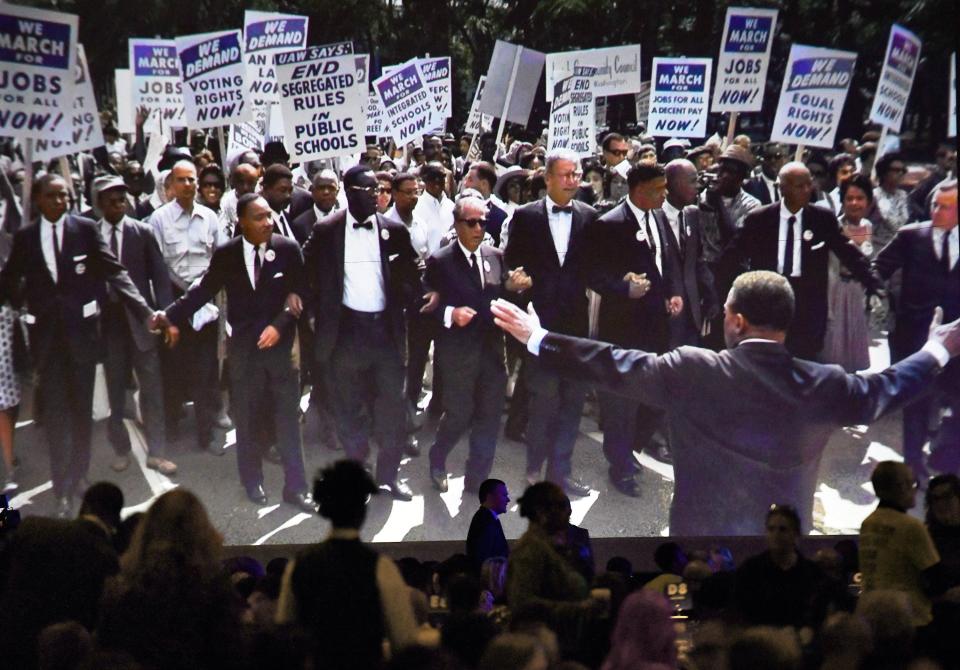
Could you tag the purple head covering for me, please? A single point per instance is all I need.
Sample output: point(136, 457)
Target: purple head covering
point(644, 637)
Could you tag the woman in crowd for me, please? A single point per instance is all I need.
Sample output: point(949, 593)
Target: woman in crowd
point(9, 380)
point(847, 341)
point(211, 186)
point(644, 637)
point(892, 201)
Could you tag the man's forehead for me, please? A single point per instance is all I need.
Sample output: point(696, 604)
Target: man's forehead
point(364, 178)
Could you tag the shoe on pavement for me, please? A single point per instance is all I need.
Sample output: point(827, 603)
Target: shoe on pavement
point(257, 495)
point(574, 487)
point(217, 448)
point(628, 486)
point(223, 421)
point(120, 463)
point(398, 490)
point(411, 447)
point(9, 484)
point(439, 479)
point(161, 465)
point(302, 500)
point(63, 507)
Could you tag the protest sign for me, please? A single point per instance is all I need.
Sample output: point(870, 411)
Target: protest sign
point(896, 78)
point(212, 69)
point(573, 111)
point(744, 58)
point(376, 117)
point(437, 73)
point(952, 104)
point(512, 80)
point(407, 102)
point(38, 60)
point(247, 134)
point(600, 118)
point(617, 69)
point(814, 89)
point(85, 132)
point(322, 105)
point(266, 34)
point(126, 115)
point(679, 97)
point(558, 132)
point(155, 70)
point(477, 122)
point(642, 101)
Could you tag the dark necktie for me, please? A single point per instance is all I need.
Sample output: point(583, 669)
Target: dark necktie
point(682, 231)
point(788, 248)
point(257, 265)
point(776, 192)
point(557, 209)
point(57, 256)
point(476, 268)
point(368, 225)
point(114, 247)
point(651, 241)
point(945, 252)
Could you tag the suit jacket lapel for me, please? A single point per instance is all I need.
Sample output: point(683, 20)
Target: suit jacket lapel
point(384, 242)
point(339, 240)
point(666, 232)
point(548, 236)
point(126, 240)
point(636, 226)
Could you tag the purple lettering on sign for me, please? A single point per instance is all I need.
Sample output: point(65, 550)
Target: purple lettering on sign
point(681, 77)
point(748, 34)
point(150, 60)
point(34, 42)
point(284, 33)
point(903, 54)
point(400, 84)
point(211, 55)
point(821, 73)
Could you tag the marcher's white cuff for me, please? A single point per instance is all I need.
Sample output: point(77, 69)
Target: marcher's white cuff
point(448, 317)
point(533, 344)
point(938, 351)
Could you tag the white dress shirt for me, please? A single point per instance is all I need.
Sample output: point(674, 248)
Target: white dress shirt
point(106, 230)
point(363, 287)
point(186, 240)
point(772, 187)
point(673, 218)
point(320, 215)
point(248, 252)
point(448, 311)
point(281, 222)
point(953, 246)
point(641, 216)
point(785, 215)
point(228, 215)
point(560, 226)
point(46, 242)
point(437, 218)
point(419, 239)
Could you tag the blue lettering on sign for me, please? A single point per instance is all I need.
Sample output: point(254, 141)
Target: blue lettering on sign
point(821, 73)
point(399, 85)
point(34, 42)
point(210, 55)
point(748, 34)
point(681, 77)
point(286, 32)
point(903, 54)
point(150, 60)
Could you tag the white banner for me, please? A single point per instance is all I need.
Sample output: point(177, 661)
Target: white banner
point(896, 78)
point(679, 97)
point(407, 102)
point(952, 98)
point(811, 100)
point(212, 69)
point(266, 34)
point(473, 119)
point(85, 133)
point(323, 107)
point(642, 101)
point(438, 74)
point(38, 60)
point(155, 70)
point(617, 69)
point(126, 114)
point(744, 58)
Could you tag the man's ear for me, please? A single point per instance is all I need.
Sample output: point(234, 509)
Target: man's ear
point(740, 323)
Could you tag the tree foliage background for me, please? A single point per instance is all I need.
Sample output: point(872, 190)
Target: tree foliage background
point(395, 30)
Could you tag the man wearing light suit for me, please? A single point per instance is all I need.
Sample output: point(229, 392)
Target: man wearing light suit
point(750, 423)
point(57, 268)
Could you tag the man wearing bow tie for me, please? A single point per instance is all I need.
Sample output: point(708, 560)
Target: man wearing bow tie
point(547, 241)
point(258, 269)
point(361, 274)
point(794, 238)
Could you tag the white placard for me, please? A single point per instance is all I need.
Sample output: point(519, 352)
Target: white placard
point(811, 100)
point(572, 114)
point(85, 133)
point(618, 69)
point(38, 60)
point(323, 107)
point(642, 102)
point(744, 58)
point(155, 70)
point(896, 78)
point(407, 102)
point(952, 98)
point(473, 119)
point(266, 34)
point(679, 96)
point(439, 76)
point(126, 115)
point(522, 88)
point(212, 70)
point(376, 117)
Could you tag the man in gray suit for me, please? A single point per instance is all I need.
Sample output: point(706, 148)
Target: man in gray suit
point(128, 343)
point(749, 423)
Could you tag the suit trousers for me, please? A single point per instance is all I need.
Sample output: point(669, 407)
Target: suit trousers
point(190, 370)
point(683, 330)
point(422, 329)
point(123, 356)
point(473, 398)
point(266, 382)
point(65, 388)
point(626, 424)
point(365, 362)
point(555, 407)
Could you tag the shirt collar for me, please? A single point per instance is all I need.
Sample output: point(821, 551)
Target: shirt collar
point(248, 248)
point(467, 252)
point(786, 213)
point(637, 212)
point(551, 204)
point(767, 179)
point(669, 209)
point(59, 221)
point(351, 219)
point(757, 339)
point(175, 205)
point(104, 223)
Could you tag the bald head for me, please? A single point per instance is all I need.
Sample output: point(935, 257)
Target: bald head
point(796, 185)
point(681, 177)
point(244, 178)
point(183, 177)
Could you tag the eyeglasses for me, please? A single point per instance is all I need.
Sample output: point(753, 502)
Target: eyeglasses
point(617, 152)
point(474, 222)
point(371, 190)
point(383, 189)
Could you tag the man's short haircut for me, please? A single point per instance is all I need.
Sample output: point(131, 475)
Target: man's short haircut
point(485, 172)
point(642, 172)
point(862, 182)
point(764, 298)
point(885, 162)
point(342, 490)
point(244, 201)
point(665, 555)
point(275, 173)
point(401, 177)
point(433, 171)
point(560, 155)
point(103, 500)
point(325, 174)
point(44, 181)
point(462, 203)
point(946, 185)
point(885, 479)
point(838, 162)
point(610, 138)
point(787, 512)
point(383, 175)
point(487, 487)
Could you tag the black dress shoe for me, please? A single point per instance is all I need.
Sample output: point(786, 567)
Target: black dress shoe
point(63, 507)
point(272, 455)
point(514, 434)
point(439, 479)
point(411, 447)
point(398, 490)
point(216, 448)
point(628, 486)
point(257, 494)
point(574, 487)
point(302, 500)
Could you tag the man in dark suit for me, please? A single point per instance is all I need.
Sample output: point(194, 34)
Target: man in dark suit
point(482, 177)
point(259, 270)
point(361, 273)
point(926, 254)
point(469, 353)
point(277, 189)
point(764, 187)
point(485, 538)
point(57, 268)
point(750, 423)
point(796, 239)
point(129, 344)
point(547, 241)
point(631, 266)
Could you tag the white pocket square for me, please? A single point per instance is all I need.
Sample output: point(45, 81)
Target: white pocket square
point(279, 274)
point(392, 257)
point(80, 257)
point(817, 246)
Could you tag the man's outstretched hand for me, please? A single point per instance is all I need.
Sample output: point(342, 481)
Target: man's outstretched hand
point(514, 320)
point(947, 334)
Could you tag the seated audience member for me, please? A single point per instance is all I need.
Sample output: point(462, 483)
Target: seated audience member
point(845, 641)
point(671, 560)
point(779, 587)
point(512, 651)
point(345, 595)
point(765, 648)
point(890, 617)
point(468, 630)
point(100, 512)
point(171, 606)
point(63, 646)
point(262, 601)
point(644, 637)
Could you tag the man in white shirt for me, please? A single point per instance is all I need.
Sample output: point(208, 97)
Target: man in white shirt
point(243, 179)
point(434, 208)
